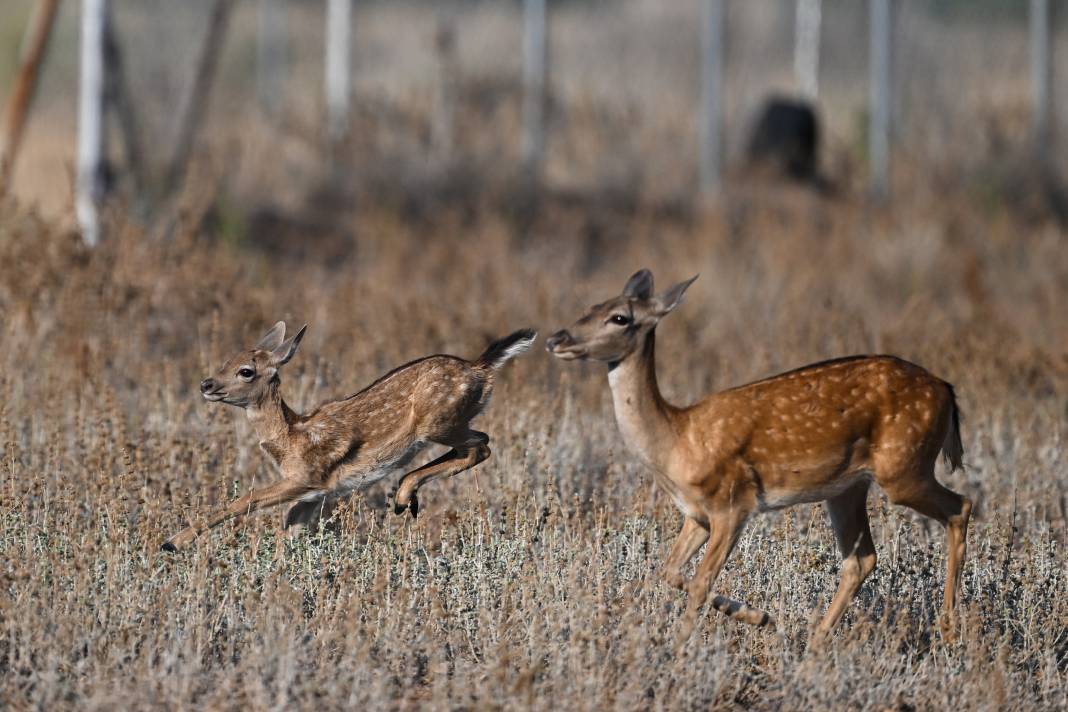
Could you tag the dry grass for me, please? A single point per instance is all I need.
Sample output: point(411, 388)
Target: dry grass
point(532, 581)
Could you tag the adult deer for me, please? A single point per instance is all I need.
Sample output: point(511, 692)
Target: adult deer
point(349, 444)
point(820, 433)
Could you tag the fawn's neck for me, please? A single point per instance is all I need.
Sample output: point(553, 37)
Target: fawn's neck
point(271, 418)
point(644, 417)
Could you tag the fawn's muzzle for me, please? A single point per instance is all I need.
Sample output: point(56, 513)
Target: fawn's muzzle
point(207, 385)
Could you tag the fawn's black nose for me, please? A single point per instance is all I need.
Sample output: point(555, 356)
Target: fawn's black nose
point(207, 385)
point(560, 338)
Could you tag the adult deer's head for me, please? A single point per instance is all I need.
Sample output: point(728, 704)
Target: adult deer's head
point(245, 379)
point(612, 330)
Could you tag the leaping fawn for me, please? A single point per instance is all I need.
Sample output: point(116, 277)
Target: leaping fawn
point(820, 433)
point(350, 444)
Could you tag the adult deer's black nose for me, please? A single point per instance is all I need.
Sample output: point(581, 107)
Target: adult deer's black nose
point(560, 338)
point(207, 385)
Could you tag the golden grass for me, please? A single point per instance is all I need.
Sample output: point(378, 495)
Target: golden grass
point(531, 581)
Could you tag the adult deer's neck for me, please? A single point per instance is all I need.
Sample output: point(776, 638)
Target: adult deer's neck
point(271, 417)
point(644, 417)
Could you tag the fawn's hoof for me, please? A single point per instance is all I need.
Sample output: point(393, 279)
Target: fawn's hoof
point(412, 506)
point(167, 546)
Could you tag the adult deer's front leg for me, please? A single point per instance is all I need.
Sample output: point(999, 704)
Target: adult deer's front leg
point(269, 496)
point(469, 449)
point(692, 536)
point(726, 527)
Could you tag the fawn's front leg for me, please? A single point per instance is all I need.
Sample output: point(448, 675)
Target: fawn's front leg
point(278, 493)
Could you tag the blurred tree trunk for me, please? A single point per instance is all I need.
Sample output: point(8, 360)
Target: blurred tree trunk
point(338, 67)
point(33, 51)
point(120, 99)
point(807, 48)
point(881, 88)
point(712, 40)
point(272, 55)
point(535, 73)
point(196, 101)
point(90, 182)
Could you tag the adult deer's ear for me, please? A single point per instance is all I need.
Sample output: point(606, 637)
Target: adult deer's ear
point(640, 285)
point(663, 304)
point(273, 338)
point(283, 353)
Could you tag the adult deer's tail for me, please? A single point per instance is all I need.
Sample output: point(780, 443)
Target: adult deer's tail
point(953, 448)
point(504, 350)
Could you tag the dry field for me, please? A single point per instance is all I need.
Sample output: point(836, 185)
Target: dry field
point(532, 580)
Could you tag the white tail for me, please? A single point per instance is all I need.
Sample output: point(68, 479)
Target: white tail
point(349, 444)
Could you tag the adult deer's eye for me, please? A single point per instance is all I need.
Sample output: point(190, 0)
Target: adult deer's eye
point(619, 319)
point(246, 373)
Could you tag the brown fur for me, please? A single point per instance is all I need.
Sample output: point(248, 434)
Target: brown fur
point(349, 444)
point(819, 433)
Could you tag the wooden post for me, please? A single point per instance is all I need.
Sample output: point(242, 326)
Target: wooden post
point(338, 67)
point(1041, 76)
point(89, 186)
point(535, 70)
point(33, 50)
point(807, 47)
point(711, 129)
point(271, 54)
point(881, 87)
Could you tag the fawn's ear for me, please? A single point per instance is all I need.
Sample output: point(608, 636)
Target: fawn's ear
point(662, 304)
point(273, 338)
point(285, 351)
point(640, 285)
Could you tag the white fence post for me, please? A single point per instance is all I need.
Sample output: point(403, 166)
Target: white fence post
point(807, 47)
point(1041, 77)
point(711, 129)
point(338, 66)
point(271, 54)
point(89, 186)
point(881, 87)
point(535, 69)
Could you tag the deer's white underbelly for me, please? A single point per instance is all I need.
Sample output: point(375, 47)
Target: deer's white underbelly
point(360, 480)
point(780, 498)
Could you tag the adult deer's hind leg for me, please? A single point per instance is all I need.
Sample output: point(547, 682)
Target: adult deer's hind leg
point(849, 518)
point(913, 485)
point(469, 448)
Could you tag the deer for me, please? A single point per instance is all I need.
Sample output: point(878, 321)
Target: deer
point(347, 445)
point(823, 432)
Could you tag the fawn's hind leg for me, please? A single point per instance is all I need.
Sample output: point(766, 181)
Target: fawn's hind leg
point(468, 449)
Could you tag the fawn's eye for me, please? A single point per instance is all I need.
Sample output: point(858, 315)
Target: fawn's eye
point(619, 319)
point(246, 373)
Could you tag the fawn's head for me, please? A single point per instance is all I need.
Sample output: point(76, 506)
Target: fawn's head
point(612, 330)
point(246, 377)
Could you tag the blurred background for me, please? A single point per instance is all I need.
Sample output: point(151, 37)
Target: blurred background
point(442, 101)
